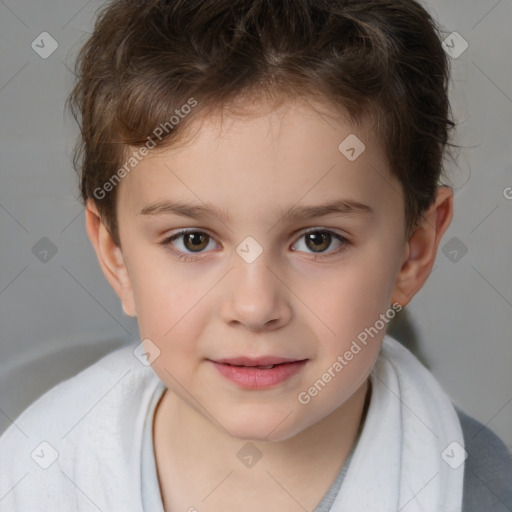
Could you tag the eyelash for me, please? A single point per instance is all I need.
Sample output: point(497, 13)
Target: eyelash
point(167, 243)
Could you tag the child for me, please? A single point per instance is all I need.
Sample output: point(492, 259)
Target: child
point(262, 189)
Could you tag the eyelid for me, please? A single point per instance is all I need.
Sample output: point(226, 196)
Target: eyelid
point(334, 231)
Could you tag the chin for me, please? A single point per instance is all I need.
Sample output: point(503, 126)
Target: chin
point(270, 427)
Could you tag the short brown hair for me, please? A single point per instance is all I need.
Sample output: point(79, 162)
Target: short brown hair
point(145, 60)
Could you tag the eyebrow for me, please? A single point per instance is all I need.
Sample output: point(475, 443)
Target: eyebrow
point(197, 211)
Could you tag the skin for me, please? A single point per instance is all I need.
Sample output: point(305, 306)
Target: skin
point(289, 302)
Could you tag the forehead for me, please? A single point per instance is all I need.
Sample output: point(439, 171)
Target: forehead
point(268, 157)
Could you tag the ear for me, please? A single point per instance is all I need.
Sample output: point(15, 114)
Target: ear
point(110, 257)
point(421, 249)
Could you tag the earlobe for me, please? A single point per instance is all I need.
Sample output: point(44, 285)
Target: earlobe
point(421, 249)
point(110, 258)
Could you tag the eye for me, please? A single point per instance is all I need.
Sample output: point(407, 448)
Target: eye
point(318, 240)
point(194, 242)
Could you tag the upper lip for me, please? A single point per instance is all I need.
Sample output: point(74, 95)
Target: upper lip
point(259, 361)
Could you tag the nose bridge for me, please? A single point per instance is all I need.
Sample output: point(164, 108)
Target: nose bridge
point(257, 297)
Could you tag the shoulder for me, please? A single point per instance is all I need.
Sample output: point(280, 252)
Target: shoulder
point(70, 394)
point(70, 427)
point(488, 468)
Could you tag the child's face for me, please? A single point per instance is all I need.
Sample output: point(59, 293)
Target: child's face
point(285, 304)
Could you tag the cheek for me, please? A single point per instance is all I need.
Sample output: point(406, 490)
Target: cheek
point(163, 292)
point(352, 297)
point(169, 313)
point(350, 304)
point(174, 323)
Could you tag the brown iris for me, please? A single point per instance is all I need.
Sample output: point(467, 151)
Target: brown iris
point(318, 240)
point(198, 241)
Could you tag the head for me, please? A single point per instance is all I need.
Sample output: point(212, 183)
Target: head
point(300, 144)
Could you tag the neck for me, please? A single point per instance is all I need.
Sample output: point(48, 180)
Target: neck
point(183, 437)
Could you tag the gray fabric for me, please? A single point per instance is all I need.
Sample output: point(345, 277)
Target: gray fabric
point(488, 469)
point(328, 499)
point(487, 475)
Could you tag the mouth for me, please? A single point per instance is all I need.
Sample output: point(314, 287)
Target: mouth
point(260, 362)
point(258, 373)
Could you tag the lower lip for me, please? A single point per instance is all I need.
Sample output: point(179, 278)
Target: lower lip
point(254, 378)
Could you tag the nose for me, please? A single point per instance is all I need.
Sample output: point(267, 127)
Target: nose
point(256, 296)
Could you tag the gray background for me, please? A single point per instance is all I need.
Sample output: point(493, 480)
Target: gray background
point(60, 315)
